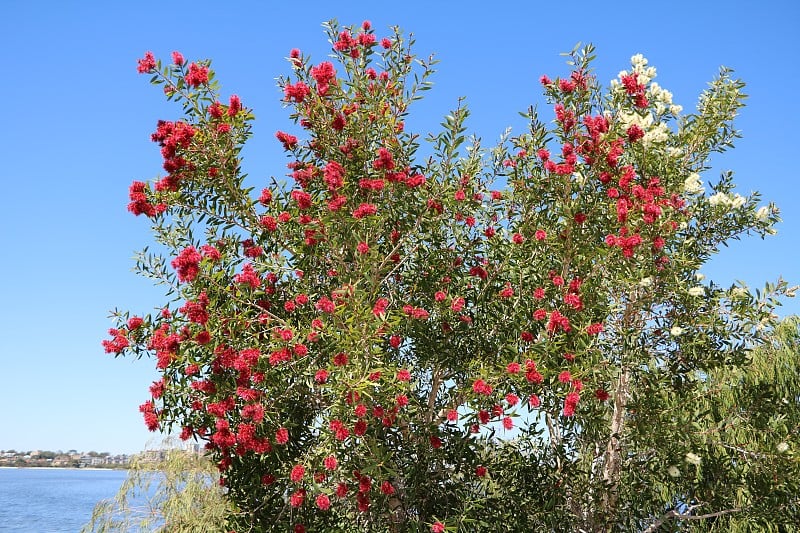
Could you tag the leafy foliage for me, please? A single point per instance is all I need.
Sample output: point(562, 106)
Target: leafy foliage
point(388, 344)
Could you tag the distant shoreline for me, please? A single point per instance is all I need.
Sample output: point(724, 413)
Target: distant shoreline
point(119, 467)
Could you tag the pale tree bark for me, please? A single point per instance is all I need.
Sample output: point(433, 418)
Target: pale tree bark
point(612, 458)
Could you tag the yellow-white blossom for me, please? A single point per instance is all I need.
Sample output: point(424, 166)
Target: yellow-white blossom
point(693, 458)
point(676, 331)
point(697, 290)
point(673, 471)
point(693, 184)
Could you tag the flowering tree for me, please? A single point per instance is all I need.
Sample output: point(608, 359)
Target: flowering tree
point(390, 344)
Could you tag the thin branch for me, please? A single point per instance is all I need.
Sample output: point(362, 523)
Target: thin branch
point(673, 514)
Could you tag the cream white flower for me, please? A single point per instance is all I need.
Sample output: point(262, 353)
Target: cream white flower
point(676, 331)
point(646, 282)
point(657, 134)
point(673, 471)
point(693, 458)
point(719, 198)
point(762, 213)
point(638, 61)
point(699, 276)
point(738, 201)
point(697, 290)
point(675, 109)
point(783, 447)
point(693, 184)
point(628, 119)
point(739, 292)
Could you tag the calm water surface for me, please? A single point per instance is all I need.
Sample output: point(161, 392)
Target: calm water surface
point(53, 500)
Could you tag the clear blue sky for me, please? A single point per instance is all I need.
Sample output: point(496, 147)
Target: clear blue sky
point(77, 120)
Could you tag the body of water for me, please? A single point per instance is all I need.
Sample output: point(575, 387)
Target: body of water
point(53, 500)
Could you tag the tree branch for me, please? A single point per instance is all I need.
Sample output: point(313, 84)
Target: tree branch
point(673, 514)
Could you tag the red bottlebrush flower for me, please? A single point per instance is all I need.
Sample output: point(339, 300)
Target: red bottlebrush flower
point(564, 377)
point(508, 422)
point(326, 305)
point(362, 248)
point(323, 73)
point(323, 502)
point(289, 141)
point(333, 174)
point(533, 376)
point(513, 368)
point(437, 527)
point(340, 359)
point(570, 403)
point(402, 400)
point(540, 235)
point(338, 123)
point(507, 291)
point(177, 58)
point(282, 436)
point(157, 389)
point(197, 75)
point(187, 264)
point(395, 341)
point(403, 375)
point(297, 499)
point(539, 314)
point(330, 462)
point(147, 64)
point(364, 210)
point(321, 376)
point(526, 336)
point(594, 329)
point(517, 238)
point(302, 198)
point(248, 277)
point(440, 296)
point(574, 301)
point(601, 395)
point(480, 471)
point(386, 43)
point(481, 387)
point(458, 304)
point(134, 323)
point(202, 337)
point(359, 428)
point(566, 86)
point(298, 471)
point(148, 409)
point(634, 133)
point(234, 106)
point(297, 92)
point(558, 322)
point(387, 488)
point(452, 415)
point(384, 160)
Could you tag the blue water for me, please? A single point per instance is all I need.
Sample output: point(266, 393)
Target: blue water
point(53, 500)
